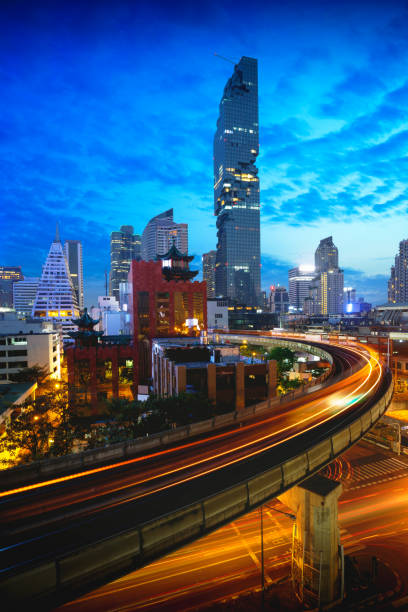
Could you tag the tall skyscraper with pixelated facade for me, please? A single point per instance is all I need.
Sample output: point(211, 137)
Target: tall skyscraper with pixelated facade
point(236, 187)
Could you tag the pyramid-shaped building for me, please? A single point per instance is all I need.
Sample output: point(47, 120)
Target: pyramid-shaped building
point(56, 298)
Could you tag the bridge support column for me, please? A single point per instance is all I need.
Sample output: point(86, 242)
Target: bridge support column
point(317, 571)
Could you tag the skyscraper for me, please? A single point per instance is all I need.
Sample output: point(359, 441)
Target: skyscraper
point(73, 255)
point(209, 260)
point(398, 283)
point(236, 187)
point(160, 233)
point(326, 255)
point(299, 283)
point(8, 276)
point(24, 293)
point(278, 299)
point(326, 289)
point(56, 299)
point(124, 246)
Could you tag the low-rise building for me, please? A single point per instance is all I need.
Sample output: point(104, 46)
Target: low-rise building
point(217, 314)
point(214, 370)
point(25, 343)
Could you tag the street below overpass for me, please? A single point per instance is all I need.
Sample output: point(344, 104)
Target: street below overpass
point(226, 565)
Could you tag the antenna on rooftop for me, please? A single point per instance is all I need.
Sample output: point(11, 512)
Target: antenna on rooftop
point(227, 59)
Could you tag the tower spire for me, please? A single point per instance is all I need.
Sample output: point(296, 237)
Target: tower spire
point(57, 234)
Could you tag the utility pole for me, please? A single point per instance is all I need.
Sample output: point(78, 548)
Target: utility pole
point(262, 564)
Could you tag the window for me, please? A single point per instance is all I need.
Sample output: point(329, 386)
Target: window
point(17, 364)
point(18, 353)
point(2, 353)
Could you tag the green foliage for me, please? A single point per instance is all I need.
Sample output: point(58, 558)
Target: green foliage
point(35, 373)
point(27, 436)
point(285, 358)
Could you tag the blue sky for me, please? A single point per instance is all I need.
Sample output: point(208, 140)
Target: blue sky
point(109, 110)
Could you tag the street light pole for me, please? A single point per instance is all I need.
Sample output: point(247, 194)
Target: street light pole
point(262, 564)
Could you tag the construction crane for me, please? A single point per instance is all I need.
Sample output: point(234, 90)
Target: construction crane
point(227, 59)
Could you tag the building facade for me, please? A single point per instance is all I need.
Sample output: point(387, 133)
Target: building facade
point(327, 288)
point(278, 300)
point(73, 255)
point(24, 344)
point(24, 293)
point(160, 233)
point(8, 276)
point(326, 255)
point(398, 283)
point(236, 187)
point(217, 314)
point(56, 298)
point(124, 247)
point(209, 261)
point(299, 283)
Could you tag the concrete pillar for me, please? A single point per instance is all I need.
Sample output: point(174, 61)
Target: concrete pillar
point(316, 553)
point(239, 386)
point(212, 382)
point(272, 378)
point(181, 378)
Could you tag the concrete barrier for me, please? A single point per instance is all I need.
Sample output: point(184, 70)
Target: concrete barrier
point(295, 469)
point(226, 505)
point(341, 440)
point(355, 430)
point(28, 584)
point(366, 420)
point(167, 531)
point(319, 453)
point(104, 557)
point(265, 485)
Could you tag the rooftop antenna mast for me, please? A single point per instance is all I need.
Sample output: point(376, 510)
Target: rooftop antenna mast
point(106, 283)
point(227, 59)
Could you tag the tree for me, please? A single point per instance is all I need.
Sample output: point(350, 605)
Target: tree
point(35, 373)
point(27, 435)
point(285, 359)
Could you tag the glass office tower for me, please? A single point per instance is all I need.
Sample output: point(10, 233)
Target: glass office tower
point(124, 247)
point(236, 187)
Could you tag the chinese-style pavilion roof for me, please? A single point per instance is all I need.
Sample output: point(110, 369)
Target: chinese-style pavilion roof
point(85, 321)
point(175, 254)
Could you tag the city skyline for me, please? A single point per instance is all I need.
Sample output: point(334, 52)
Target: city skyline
point(82, 148)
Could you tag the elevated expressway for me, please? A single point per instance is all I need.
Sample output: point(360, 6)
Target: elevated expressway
point(74, 531)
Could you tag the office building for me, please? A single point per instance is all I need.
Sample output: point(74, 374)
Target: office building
point(398, 283)
point(236, 188)
point(8, 276)
point(160, 233)
point(278, 300)
point(73, 255)
point(209, 260)
point(326, 255)
point(217, 314)
point(326, 289)
point(56, 298)
point(124, 247)
point(299, 283)
point(24, 344)
point(24, 292)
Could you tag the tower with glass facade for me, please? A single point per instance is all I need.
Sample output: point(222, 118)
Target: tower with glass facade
point(209, 260)
point(236, 187)
point(159, 235)
point(73, 255)
point(124, 247)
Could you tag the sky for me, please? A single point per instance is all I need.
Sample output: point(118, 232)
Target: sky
point(108, 113)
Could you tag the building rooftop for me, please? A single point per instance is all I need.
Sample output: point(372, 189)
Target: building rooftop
point(11, 393)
